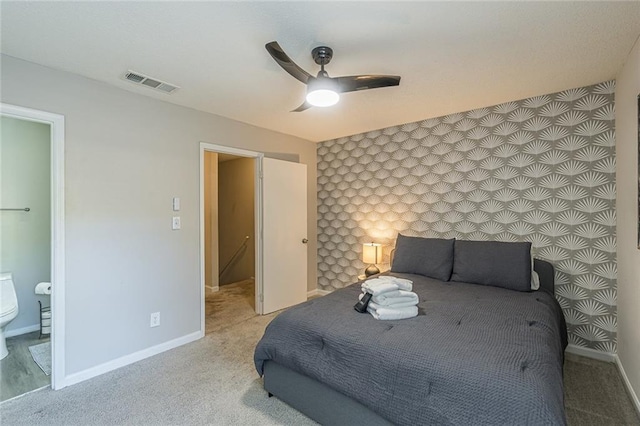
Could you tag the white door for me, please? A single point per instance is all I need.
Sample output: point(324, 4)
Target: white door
point(284, 224)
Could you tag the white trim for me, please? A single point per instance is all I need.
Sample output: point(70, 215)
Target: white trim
point(630, 391)
point(22, 330)
point(213, 289)
point(317, 292)
point(56, 121)
point(89, 373)
point(202, 260)
point(259, 226)
point(591, 353)
point(205, 146)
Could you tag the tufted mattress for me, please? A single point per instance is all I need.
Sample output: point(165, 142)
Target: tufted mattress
point(473, 355)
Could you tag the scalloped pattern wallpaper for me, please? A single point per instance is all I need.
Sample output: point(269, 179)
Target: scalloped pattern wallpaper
point(541, 169)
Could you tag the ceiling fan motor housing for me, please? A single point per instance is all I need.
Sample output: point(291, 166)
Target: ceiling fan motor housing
point(322, 55)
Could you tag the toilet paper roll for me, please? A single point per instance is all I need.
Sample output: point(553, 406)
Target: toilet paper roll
point(43, 288)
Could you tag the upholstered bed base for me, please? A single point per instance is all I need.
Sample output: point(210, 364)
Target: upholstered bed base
point(316, 400)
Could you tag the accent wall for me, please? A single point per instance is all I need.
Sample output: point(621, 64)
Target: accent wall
point(540, 169)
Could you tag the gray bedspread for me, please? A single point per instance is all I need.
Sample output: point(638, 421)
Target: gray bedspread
point(474, 355)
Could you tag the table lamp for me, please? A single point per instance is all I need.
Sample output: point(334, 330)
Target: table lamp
point(371, 254)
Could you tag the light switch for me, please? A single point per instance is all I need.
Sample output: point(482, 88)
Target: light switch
point(176, 204)
point(175, 223)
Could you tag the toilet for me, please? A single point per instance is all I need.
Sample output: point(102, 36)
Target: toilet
point(8, 308)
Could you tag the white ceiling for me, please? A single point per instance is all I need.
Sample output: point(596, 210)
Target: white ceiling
point(452, 56)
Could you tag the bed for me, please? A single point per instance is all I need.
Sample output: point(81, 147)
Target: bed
point(476, 353)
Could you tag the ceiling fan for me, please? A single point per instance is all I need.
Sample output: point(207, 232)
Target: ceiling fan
point(322, 90)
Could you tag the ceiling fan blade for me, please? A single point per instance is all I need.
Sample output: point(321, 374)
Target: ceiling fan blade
point(286, 63)
point(305, 105)
point(362, 82)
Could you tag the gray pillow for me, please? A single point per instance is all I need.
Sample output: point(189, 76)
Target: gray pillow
point(493, 263)
point(431, 257)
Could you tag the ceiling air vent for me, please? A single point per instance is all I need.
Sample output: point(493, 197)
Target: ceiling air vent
point(138, 78)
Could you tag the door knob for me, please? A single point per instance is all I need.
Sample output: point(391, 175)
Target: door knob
point(305, 241)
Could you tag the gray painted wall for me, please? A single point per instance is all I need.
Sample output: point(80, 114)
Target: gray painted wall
point(25, 237)
point(541, 169)
point(126, 156)
point(628, 141)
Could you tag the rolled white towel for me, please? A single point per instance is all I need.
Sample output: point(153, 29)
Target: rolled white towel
point(388, 299)
point(378, 287)
point(393, 314)
point(395, 293)
point(376, 306)
point(403, 284)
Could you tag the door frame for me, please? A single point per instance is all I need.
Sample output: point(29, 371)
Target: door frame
point(56, 123)
point(257, 156)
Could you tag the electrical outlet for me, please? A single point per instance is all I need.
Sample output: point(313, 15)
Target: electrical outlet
point(175, 223)
point(154, 320)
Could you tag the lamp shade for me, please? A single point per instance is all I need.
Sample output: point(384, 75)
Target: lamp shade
point(371, 253)
point(322, 92)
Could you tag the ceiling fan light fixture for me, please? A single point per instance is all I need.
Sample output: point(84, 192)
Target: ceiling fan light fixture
point(323, 98)
point(322, 92)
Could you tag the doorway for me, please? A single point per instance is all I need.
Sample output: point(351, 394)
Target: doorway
point(43, 219)
point(227, 254)
point(229, 228)
point(280, 223)
point(229, 208)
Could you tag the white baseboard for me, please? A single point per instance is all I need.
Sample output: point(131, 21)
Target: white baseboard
point(89, 373)
point(591, 353)
point(212, 289)
point(22, 330)
point(317, 292)
point(632, 393)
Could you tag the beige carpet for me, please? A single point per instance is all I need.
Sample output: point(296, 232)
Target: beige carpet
point(208, 382)
point(213, 381)
point(231, 305)
point(594, 394)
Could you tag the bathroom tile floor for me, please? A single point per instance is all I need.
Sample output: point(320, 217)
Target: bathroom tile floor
point(18, 371)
